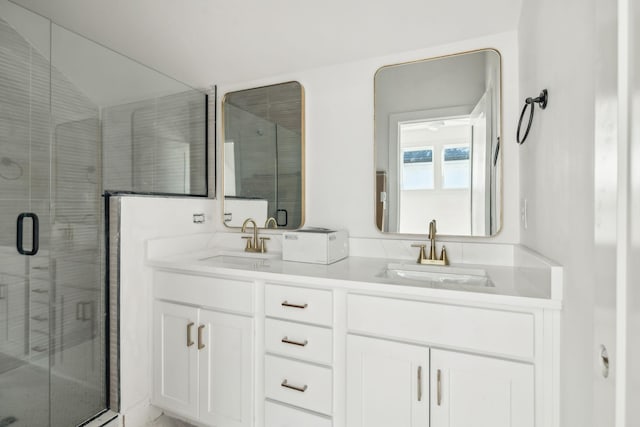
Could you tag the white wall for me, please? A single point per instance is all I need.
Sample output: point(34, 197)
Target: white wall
point(144, 218)
point(568, 179)
point(200, 42)
point(339, 137)
point(630, 231)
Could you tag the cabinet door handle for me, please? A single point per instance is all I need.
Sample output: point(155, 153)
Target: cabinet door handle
point(439, 387)
point(419, 383)
point(286, 340)
point(293, 387)
point(288, 304)
point(189, 340)
point(200, 344)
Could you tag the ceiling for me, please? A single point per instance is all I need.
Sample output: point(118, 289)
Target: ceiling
point(205, 42)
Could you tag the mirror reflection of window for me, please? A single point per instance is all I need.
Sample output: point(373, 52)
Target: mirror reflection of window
point(456, 167)
point(417, 168)
point(435, 173)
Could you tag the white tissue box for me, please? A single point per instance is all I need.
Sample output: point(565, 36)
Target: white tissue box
point(315, 245)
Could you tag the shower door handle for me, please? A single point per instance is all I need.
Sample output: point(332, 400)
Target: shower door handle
point(35, 237)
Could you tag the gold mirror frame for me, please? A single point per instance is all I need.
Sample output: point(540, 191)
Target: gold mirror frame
point(499, 182)
point(302, 181)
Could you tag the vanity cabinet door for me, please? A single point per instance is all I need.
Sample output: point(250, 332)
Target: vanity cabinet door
point(387, 383)
point(175, 358)
point(225, 343)
point(468, 390)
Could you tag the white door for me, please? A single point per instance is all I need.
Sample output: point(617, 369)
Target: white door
point(478, 391)
point(175, 358)
point(387, 383)
point(225, 355)
point(481, 168)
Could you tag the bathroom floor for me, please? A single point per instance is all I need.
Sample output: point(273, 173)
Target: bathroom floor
point(165, 421)
point(29, 385)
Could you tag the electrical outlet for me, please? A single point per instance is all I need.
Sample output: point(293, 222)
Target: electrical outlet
point(524, 217)
point(198, 218)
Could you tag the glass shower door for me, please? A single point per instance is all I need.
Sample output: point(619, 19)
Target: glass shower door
point(25, 284)
point(52, 299)
point(77, 350)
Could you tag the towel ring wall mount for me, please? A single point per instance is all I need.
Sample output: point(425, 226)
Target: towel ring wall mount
point(541, 100)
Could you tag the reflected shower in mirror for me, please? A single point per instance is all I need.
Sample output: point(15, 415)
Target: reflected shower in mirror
point(263, 134)
point(437, 145)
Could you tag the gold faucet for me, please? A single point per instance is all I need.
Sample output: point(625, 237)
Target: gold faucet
point(432, 258)
point(252, 242)
point(271, 220)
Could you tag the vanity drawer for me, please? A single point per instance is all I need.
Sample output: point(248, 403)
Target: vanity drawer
point(312, 383)
point(504, 333)
point(276, 415)
point(300, 304)
point(213, 292)
point(300, 341)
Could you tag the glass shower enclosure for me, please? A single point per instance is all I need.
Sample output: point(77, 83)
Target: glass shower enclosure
point(52, 302)
point(76, 120)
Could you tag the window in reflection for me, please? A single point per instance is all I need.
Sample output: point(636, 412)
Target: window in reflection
point(417, 169)
point(435, 171)
point(456, 167)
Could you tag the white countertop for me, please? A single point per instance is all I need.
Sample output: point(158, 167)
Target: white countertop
point(526, 286)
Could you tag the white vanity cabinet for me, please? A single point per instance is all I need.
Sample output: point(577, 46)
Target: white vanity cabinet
point(175, 364)
point(387, 383)
point(471, 390)
point(203, 358)
point(391, 383)
point(335, 352)
point(422, 384)
point(299, 356)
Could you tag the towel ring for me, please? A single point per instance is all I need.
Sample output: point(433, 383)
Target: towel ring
point(542, 102)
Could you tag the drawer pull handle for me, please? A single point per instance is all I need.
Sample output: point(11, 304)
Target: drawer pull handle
point(189, 340)
point(292, 387)
point(286, 340)
point(200, 344)
point(439, 398)
point(301, 306)
point(419, 383)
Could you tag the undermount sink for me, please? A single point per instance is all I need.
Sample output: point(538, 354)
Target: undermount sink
point(242, 259)
point(434, 275)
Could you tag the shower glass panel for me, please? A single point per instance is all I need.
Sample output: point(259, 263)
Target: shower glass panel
point(25, 280)
point(76, 119)
point(78, 346)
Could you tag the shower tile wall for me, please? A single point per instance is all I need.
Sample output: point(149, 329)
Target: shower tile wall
point(156, 145)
